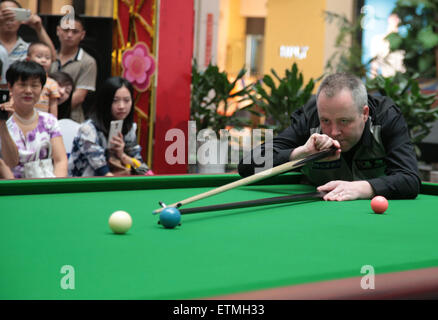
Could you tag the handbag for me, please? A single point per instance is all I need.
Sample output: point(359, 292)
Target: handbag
point(40, 168)
point(142, 170)
point(117, 167)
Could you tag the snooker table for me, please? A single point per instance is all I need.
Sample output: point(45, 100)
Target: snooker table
point(56, 243)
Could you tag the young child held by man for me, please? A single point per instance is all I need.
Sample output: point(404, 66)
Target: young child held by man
point(41, 54)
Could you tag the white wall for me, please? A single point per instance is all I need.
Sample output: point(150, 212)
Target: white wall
point(202, 9)
point(345, 7)
point(253, 8)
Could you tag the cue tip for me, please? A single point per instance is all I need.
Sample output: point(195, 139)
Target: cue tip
point(162, 204)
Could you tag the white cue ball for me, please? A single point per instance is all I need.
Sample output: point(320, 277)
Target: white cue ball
point(120, 221)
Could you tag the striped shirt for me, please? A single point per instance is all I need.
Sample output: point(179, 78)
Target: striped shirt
point(50, 91)
point(19, 51)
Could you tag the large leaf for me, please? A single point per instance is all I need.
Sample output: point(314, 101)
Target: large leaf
point(212, 89)
point(419, 22)
point(286, 95)
point(395, 41)
point(415, 106)
point(428, 38)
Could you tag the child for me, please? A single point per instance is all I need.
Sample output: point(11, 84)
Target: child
point(40, 53)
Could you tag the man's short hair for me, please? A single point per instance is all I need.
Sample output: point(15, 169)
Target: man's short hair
point(16, 2)
point(23, 70)
point(335, 83)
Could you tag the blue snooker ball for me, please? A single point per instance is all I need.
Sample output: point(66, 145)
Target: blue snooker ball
point(170, 217)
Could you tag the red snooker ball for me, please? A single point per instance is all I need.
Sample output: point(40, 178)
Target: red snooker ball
point(379, 204)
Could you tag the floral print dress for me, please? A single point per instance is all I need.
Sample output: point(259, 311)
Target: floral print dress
point(27, 145)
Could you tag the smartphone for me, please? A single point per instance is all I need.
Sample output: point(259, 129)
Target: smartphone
point(21, 14)
point(115, 128)
point(4, 97)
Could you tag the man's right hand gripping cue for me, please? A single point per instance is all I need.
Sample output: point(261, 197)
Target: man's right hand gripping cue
point(337, 190)
point(316, 143)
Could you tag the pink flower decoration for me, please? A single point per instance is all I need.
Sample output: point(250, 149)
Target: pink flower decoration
point(138, 66)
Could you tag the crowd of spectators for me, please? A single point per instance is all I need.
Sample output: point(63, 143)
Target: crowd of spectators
point(45, 85)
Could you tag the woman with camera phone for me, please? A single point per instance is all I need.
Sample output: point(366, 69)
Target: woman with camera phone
point(106, 144)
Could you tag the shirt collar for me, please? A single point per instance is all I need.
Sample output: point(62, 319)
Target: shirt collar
point(367, 136)
point(20, 42)
point(78, 57)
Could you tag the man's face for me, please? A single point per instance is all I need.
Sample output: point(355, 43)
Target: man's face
point(340, 119)
point(8, 22)
point(71, 37)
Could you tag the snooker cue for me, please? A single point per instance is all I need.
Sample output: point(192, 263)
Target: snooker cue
point(254, 178)
point(254, 203)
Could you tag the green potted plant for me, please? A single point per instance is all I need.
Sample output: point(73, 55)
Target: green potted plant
point(419, 19)
point(211, 98)
point(279, 99)
point(415, 106)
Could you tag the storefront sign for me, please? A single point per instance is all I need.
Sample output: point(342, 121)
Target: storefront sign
point(293, 52)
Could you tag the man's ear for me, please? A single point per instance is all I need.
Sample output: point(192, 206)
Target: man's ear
point(58, 30)
point(365, 112)
point(83, 34)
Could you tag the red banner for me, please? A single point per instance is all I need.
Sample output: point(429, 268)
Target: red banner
point(166, 61)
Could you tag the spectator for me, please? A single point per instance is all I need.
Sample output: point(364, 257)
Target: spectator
point(72, 59)
point(91, 149)
point(30, 128)
point(40, 53)
point(4, 64)
point(15, 45)
point(5, 171)
point(8, 149)
point(66, 88)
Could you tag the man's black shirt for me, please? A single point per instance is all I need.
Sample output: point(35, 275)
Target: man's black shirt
point(384, 156)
